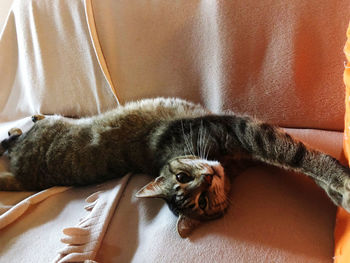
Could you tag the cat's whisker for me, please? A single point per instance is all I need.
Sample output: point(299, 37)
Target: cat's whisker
point(191, 137)
point(207, 154)
point(203, 142)
point(187, 141)
point(199, 140)
point(198, 146)
point(205, 145)
point(202, 133)
point(207, 148)
point(198, 143)
point(184, 135)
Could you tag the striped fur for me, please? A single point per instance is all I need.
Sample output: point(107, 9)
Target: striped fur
point(231, 135)
point(162, 137)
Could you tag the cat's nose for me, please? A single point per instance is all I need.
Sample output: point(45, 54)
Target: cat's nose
point(208, 178)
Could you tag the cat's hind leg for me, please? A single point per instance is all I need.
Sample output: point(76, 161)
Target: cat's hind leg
point(5, 144)
point(36, 118)
point(8, 182)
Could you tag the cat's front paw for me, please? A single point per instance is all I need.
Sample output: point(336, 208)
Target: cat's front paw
point(346, 195)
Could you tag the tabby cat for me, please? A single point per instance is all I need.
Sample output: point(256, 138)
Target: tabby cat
point(184, 147)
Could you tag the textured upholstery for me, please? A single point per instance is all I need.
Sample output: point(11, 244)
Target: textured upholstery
point(281, 61)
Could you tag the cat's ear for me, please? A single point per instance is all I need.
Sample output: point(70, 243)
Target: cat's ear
point(153, 189)
point(186, 225)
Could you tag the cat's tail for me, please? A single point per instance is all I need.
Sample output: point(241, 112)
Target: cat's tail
point(9, 141)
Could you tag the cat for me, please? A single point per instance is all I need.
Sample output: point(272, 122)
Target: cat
point(183, 146)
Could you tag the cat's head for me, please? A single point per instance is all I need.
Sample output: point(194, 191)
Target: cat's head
point(195, 189)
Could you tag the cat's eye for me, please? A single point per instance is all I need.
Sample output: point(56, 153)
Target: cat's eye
point(202, 201)
point(183, 178)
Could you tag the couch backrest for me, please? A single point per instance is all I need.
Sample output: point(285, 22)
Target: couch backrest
point(281, 61)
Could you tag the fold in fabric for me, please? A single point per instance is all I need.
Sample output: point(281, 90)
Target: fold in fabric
point(19, 209)
point(84, 240)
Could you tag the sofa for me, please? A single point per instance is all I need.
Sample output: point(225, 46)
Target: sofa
point(278, 61)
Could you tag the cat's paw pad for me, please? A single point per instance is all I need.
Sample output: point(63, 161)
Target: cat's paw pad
point(36, 118)
point(14, 132)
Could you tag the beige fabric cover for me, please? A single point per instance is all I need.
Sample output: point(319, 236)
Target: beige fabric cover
point(48, 63)
point(281, 61)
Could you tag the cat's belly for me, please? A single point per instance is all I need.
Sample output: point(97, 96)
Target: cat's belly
point(59, 154)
